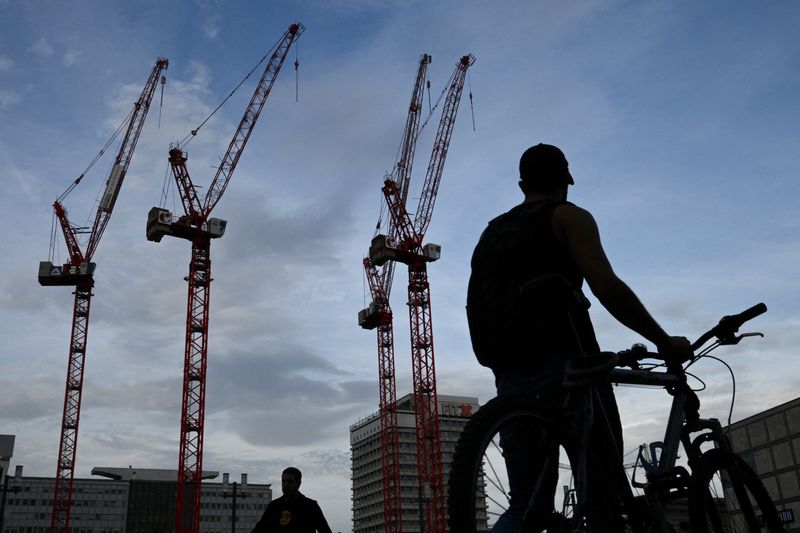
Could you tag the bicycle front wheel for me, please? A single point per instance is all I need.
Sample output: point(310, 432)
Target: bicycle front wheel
point(727, 496)
point(478, 490)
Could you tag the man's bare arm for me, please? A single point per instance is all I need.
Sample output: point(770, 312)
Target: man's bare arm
point(577, 230)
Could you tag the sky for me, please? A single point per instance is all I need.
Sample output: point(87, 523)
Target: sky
point(679, 120)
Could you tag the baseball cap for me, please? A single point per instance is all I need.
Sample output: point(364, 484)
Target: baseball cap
point(544, 164)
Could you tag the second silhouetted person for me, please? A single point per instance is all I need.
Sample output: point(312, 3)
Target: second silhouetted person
point(292, 512)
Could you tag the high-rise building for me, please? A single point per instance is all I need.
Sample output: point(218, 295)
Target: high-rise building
point(132, 500)
point(365, 439)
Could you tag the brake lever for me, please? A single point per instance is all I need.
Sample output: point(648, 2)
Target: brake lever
point(736, 339)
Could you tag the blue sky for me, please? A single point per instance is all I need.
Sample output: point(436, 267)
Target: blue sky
point(679, 121)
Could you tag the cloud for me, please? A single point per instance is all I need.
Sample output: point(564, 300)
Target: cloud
point(9, 98)
point(211, 12)
point(211, 28)
point(200, 74)
point(28, 399)
point(71, 58)
point(284, 395)
point(42, 49)
point(6, 64)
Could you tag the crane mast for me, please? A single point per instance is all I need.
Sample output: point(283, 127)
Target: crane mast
point(79, 272)
point(408, 249)
point(380, 318)
point(389, 432)
point(196, 226)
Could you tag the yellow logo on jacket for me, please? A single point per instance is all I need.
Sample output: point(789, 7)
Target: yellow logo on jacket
point(286, 517)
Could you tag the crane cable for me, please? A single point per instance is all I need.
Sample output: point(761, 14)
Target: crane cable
point(52, 252)
point(165, 188)
point(96, 158)
point(416, 136)
point(438, 101)
point(430, 114)
point(382, 210)
point(63, 195)
point(427, 119)
point(193, 133)
point(431, 110)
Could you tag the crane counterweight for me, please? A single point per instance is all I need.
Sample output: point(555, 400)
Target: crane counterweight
point(161, 222)
point(66, 275)
point(384, 248)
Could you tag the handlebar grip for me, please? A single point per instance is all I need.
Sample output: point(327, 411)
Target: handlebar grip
point(729, 325)
point(744, 316)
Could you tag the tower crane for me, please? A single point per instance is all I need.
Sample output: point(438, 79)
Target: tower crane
point(79, 272)
point(196, 226)
point(379, 315)
point(406, 247)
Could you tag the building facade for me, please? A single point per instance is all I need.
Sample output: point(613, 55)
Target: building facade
point(132, 501)
point(770, 442)
point(367, 485)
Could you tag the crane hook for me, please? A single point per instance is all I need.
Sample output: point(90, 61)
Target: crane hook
point(296, 79)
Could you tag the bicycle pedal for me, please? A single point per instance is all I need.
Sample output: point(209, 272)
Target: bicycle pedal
point(673, 482)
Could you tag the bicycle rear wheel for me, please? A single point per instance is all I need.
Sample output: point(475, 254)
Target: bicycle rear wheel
point(478, 490)
point(726, 496)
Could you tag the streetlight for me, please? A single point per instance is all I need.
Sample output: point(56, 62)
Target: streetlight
point(233, 496)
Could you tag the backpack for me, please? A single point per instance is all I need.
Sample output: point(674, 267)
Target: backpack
point(510, 307)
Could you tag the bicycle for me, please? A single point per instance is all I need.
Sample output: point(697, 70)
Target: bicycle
point(475, 493)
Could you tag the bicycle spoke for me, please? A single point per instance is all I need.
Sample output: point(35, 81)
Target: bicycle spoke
point(496, 481)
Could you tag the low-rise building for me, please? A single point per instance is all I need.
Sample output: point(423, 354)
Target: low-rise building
point(770, 442)
point(132, 500)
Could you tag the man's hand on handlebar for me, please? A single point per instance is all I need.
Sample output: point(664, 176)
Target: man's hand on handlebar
point(675, 349)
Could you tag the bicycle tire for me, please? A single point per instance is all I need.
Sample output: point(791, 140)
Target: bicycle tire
point(467, 494)
point(748, 505)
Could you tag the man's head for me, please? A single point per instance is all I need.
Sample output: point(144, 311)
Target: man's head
point(543, 169)
point(290, 482)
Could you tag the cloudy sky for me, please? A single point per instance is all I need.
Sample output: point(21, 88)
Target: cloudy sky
point(680, 121)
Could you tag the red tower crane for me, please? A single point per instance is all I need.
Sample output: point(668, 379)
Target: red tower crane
point(379, 315)
point(196, 226)
point(79, 271)
point(407, 248)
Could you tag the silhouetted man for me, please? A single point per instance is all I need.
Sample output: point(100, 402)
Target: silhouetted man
point(292, 512)
point(547, 237)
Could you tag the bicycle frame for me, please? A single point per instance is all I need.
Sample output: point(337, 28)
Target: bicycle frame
point(676, 386)
point(682, 423)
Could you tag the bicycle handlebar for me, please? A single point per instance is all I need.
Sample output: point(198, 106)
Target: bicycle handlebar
point(726, 330)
